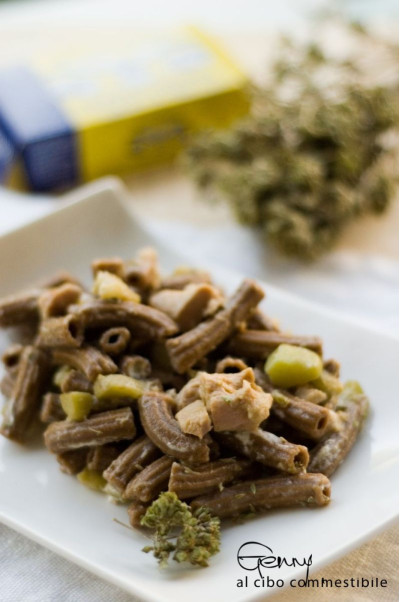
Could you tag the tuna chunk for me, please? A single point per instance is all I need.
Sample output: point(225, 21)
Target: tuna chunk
point(236, 404)
point(194, 419)
point(234, 401)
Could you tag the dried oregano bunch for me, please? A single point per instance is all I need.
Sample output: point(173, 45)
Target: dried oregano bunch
point(190, 536)
point(319, 147)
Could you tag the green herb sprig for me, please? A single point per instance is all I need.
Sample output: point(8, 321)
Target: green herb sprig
point(317, 151)
point(189, 536)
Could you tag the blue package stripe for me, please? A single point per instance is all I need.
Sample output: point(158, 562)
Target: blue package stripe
point(6, 157)
point(38, 130)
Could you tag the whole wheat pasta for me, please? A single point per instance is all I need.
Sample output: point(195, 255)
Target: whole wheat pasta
point(140, 319)
point(190, 482)
point(268, 449)
point(100, 457)
point(186, 349)
point(72, 462)
point(330, 452)
point(60, 332)
point(161, 427)
point(147, 384)
point(266, 494)
point(131, 461)
point(135, 366)
point(258, 344)
point(258, 320)
point(187, 306)
point(19, 309)
point(51, 410)
point(54, 302)
point(73, 380)
point(25, 398)
point(148, 483)
point(143, 271)
point(88, 360)
point(308, 418)
point(115, 340)
point(114, 265)
point(105, 427)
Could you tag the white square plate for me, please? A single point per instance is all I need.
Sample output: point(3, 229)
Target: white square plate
point(55, 510)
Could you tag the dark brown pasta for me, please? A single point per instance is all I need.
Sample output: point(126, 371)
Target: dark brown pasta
point(258, 344)
point(54, 302)
point(23, 404)
point(141, 320)
point(88, 360)
point(168, 379)
point(114, 265)
point(99, 458)
point(51, 410)
point(115, 340)
point(190, 482)
point(105, 427)
point(19, 309)
point(135, 366)
point(186, 307)
point(60, 332)
point(148, 483)
point(268, 449)
point(266, 494)
point(72, 462)
point(258, 320)
point(161, 427)
point(243, 301)
point(308, 418)
point(131, 461)
point(143, 271)
point(188, 348)
point(330, 452)
point(75, 381)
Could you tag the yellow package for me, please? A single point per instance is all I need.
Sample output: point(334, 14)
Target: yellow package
point(116, 103)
